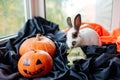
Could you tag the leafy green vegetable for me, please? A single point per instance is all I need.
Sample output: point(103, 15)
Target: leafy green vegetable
point(75, 54)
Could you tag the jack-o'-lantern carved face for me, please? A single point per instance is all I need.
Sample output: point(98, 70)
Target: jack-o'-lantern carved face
point(35, 64)
point(38, 63)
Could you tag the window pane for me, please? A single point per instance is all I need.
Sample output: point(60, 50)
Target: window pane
point(98, 11)
point(12, 16)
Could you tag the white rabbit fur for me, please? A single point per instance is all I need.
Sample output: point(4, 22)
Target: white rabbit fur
point(78, 37)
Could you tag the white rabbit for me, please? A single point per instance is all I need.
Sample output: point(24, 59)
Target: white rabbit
point(77, 37)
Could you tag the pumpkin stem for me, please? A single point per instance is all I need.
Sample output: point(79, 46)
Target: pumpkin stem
point(38, 37)
point(34, 50)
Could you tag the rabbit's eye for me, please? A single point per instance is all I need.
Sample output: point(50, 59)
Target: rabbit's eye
point(74, 35)
point(73, 43)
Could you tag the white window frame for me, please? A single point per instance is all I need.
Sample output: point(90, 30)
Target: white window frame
point(115, 15)
point(27, 16)
point(37, 8)
point(31, 8)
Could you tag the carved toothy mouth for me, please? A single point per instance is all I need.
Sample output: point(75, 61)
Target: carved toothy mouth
point(34, 73)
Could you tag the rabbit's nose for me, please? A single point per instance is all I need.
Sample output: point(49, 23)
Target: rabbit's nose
point(73, 43)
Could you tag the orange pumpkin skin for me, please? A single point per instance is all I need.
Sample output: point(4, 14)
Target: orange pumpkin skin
point(35, 64)
point(38, 43)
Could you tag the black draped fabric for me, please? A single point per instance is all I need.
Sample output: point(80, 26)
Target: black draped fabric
point(102, 63)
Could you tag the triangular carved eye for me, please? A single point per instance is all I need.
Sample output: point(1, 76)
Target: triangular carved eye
point(38, 62)
point(26, 62)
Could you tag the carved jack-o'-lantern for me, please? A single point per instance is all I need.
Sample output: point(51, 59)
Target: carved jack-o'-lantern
point(35, 63)
point(38, 43)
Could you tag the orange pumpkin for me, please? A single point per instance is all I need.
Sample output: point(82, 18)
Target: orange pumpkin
point(38, 43)
point(35, 63)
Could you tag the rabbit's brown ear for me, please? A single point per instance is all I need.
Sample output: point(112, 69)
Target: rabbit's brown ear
point(77, 21)
point(69, 22)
